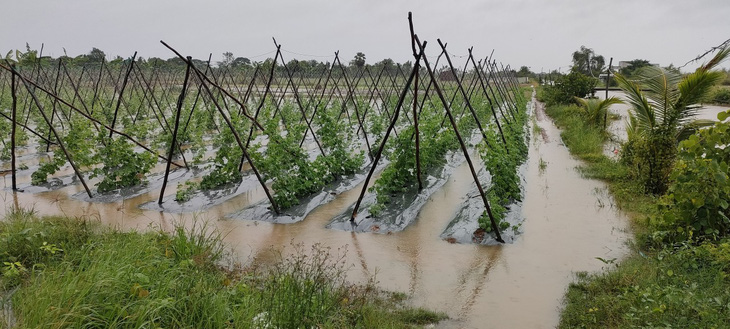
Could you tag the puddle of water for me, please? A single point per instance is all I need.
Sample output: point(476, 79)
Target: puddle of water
point(569, 222)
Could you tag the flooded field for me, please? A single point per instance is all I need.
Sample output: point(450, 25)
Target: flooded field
point(569, 222)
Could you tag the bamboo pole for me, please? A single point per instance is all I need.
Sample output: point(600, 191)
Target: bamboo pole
point(232, 128)
point(121, 92)
point(12, 130)
point(180, 101)
point(58, 138)
point(495, 228)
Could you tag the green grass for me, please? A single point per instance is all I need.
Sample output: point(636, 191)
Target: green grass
point(74, 273)
point(685, 285)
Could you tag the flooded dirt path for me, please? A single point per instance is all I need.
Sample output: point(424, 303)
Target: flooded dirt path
point(569, 222)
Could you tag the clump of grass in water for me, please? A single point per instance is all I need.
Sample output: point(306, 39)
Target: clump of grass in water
point(542, 166)
point(96, 277)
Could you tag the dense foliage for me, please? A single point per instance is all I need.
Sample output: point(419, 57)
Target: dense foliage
point(79, 142)
point(121, 165)
point(401, 175)
point(696, 203)
point(503, 162)
point(294, 175)
point(721, 96)
point(566, 88)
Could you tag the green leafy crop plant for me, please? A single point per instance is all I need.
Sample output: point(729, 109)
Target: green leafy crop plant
point(121, 165)
point(79, 142)
point(502, 161)
point(293, 175)
point(401, 176)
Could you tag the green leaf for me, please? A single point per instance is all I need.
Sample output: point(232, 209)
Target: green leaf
point(723, 115)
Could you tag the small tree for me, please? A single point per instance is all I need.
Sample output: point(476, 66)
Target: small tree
point(241, 62)
point(358, 61)
point(696, 203)
point(567, 88)
point(227, 59)
point(663, 105)
point(525, 72)
point(587, 62)
point(595, 111)
point(387, 65)
point(96, 55)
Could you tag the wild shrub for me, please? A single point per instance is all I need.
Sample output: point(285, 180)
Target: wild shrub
point(696, 203)
point(566, 88)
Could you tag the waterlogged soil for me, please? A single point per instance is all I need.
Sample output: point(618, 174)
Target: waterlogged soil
point(402, 210)
point(569, 222)
point(464, 227)
point(262, 210)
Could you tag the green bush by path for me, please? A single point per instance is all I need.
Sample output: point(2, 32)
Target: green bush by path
point(665, 282)
point(72, 273)
point(567, 88)
point(696, 205)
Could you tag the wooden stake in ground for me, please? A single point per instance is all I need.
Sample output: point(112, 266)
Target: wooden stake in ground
point(493, 222)
point(58, 138)
point(12, 130)
point(121, 92)
point(180, 101)
point(608, 76)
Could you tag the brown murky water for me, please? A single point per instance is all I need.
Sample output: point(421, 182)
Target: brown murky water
point(569, 222)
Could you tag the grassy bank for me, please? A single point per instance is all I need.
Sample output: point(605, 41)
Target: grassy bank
point(668, 285)
point(60, 272)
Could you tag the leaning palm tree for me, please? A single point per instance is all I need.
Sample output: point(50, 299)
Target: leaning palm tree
point(595, 110)
point(663, 106)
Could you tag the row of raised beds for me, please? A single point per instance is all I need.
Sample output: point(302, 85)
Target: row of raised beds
point(127, 129)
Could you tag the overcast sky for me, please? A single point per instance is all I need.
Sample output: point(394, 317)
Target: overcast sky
point(534, 33)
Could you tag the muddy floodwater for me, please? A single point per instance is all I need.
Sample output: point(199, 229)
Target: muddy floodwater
point(569, 222)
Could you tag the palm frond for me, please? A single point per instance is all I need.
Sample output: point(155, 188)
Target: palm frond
point(611, 101)
point(661, 89)
point(643, 111)
point(595, 110)
point(631, 127)
point(696, 87)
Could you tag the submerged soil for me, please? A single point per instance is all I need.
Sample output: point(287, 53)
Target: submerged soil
point(569, 222)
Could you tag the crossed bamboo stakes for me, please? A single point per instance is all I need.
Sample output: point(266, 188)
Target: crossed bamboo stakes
point(217, 91)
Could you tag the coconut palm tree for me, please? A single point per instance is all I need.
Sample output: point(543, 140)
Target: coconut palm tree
point(663, 106)
point(595, 110)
